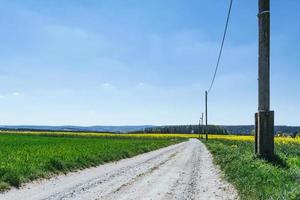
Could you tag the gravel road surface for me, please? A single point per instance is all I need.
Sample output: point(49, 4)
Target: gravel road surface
point(181, 171)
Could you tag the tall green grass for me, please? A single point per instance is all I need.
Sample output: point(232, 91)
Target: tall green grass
point(255, 178)
point(24, 158)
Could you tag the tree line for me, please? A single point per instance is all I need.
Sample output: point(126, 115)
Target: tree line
point(187, 129)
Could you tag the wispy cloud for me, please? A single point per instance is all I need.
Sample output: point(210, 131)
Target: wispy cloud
point(107, 85)
point(62, 31)
point(92, 112)
point(16, 94)
point(144, 86)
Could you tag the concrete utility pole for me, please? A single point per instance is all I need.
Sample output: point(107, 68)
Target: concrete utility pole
point(264, 119)
point(201, 126)
point(206, 136)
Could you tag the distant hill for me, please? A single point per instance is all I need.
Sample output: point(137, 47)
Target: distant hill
point(114, 129)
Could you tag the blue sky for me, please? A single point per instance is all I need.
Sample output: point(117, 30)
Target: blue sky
point(88, 62)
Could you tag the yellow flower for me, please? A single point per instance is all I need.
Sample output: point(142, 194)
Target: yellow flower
point(280, 140)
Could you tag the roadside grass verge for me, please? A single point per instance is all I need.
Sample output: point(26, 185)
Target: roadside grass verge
point(255, 178)
point(24, 158)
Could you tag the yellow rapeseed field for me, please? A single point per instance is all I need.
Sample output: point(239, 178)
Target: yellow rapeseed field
point(284, 140)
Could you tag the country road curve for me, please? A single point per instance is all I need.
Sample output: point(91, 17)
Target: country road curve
point(181, 171)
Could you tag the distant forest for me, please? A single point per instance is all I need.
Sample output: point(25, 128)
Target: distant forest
point(240, 130)
point(186, 129)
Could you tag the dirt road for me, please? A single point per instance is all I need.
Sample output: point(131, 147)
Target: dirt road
point(182, 171)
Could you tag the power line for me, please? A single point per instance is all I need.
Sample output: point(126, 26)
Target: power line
point(221, 49)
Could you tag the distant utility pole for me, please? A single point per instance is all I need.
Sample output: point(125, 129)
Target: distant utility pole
point(264, 118)
point(201, 126)
point(206, 136)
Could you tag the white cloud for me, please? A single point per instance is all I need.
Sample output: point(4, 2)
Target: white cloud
point(106, 85)
point(60, 31)
point(91, 112)
point(16, 94)
point(141, 84)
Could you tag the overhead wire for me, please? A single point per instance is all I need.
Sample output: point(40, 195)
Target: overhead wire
point(221, 49)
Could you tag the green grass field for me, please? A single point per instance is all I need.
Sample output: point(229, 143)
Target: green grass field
point(24, 158)
point(255, 178)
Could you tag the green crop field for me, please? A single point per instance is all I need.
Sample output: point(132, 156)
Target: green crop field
point(255, 178)
point(24, 158)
